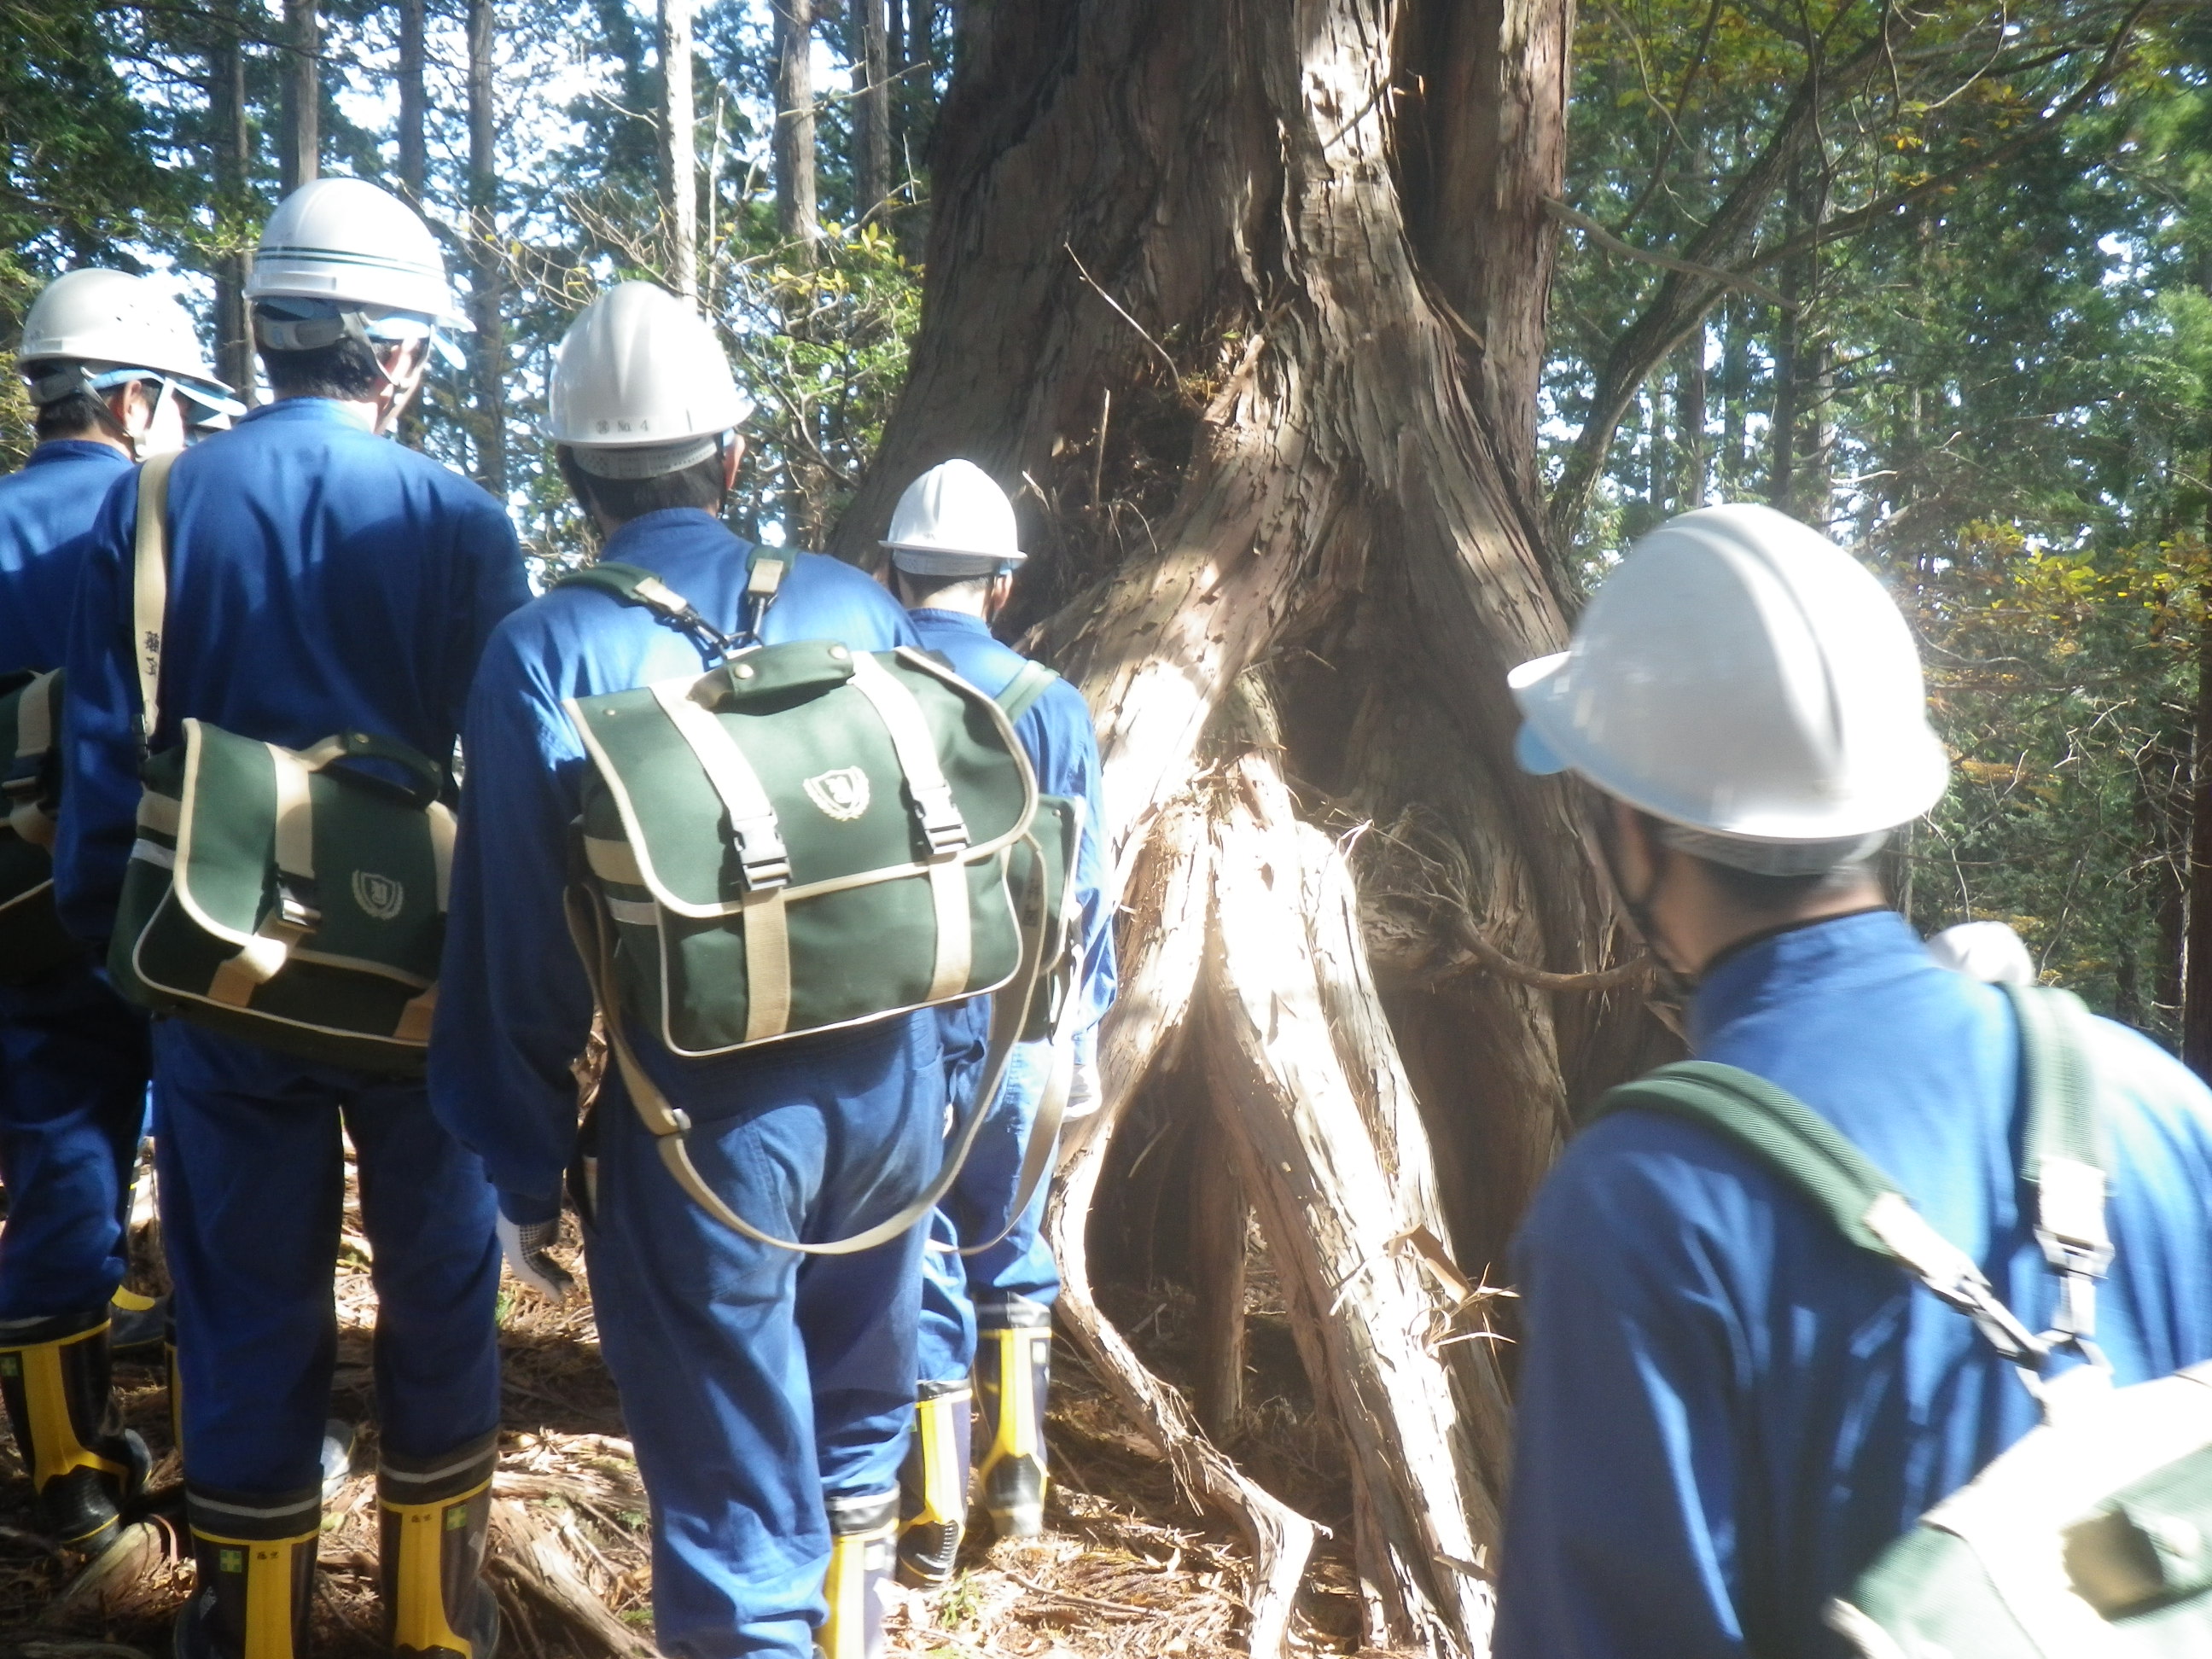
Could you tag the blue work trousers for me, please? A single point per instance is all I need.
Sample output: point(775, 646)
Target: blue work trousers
point(756, 1382)
point(247, 1145)
point(73, 1064)
point(956, 1289)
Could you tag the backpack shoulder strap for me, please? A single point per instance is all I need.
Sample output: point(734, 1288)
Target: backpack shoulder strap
point(2065, 1159)
point(150, 589)
point(1860, 1201)
point(1029, 683)
point(1791, 1138)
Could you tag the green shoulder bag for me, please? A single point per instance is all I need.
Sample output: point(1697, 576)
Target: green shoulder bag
point(281, 896)
point(2092, 1537)
point(32, 941)
point(804, 838)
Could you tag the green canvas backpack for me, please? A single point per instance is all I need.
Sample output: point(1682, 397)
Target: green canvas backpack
point(2091, 1538)
point(284, 897)
point(808, 837)
point(31, 940)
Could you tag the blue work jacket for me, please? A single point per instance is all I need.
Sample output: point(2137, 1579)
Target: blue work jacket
point(515, 1007)
point(1726, 1410)
point(45, 512)
point(320, 577)
point(1063, 749)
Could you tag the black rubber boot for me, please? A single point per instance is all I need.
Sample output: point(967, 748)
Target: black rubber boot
point(138, 1326)
point(86, 1468)
point(1013, 1372)
point(863, 1532)
point(437, 1513)
point(255, 1553)
point(933, 1485)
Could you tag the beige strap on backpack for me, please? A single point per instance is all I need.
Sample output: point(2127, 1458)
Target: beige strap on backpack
point(916, 748)
point(150, 589)
point(35, 735)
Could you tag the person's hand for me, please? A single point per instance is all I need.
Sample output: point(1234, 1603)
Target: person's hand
point(524, 1244)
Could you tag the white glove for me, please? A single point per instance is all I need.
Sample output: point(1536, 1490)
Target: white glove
point(524, 1247)
point(1081, 1090)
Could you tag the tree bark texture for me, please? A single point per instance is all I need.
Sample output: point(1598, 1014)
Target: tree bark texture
point(232, 147)
point(300, 161)
point(792, 152)
point(1321, 364)
point(869, 51)
point(679, 148)
point(414, 103)
point(487, 269)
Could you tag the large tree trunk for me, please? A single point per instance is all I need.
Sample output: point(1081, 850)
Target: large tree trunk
point(414, 103)
point(869, 51)
point(1319, 464)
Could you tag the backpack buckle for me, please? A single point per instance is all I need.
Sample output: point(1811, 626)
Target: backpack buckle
point(298, 907)
point(942, 826)
point(760, 853)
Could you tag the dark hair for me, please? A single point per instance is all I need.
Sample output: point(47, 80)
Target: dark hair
point(621, 500)
point(346, 369)
point(918, 592)
point(79, 412)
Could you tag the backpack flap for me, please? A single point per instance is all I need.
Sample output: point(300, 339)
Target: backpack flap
point(805, 838)
point(287, 899)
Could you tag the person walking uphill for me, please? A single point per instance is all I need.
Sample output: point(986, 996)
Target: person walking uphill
point(109, 361)
point(953, 559)
point(1727, 1409)
point(768, 1393)
point(321, 579)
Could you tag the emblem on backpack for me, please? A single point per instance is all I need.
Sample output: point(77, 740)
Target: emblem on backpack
point(843, 794)
point(379, 897)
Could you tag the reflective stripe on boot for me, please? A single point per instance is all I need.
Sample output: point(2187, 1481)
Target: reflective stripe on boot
point(1013, 1373)
point(933, 1485)
point(436, 1514)
point(862, 1533)
point(85, 1465)
point(255, 1553)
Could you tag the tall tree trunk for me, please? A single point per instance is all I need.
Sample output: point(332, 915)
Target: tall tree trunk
point(300, 159)
point(487, 276)
point(872, 107)
point(1201, 210)
point(414, 103)
point(1689, 425)
point(231, 144)
point(1736, 397)
point(679, 141)
point(792, 152)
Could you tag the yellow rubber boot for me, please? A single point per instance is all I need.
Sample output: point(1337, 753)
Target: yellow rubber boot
point(863, 1533)
point(933, 1485)
point(436, 1514)
point(1013, 1372)
point(85, 1465)
point(255, 1553)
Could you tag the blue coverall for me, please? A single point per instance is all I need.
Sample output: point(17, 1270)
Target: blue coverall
point(321, 578)
point(1056, 732)
point(73, 1054)
point(1726, 1410)
point(755, 1383)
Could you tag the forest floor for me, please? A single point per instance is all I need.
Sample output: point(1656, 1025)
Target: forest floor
point(1128, 1568)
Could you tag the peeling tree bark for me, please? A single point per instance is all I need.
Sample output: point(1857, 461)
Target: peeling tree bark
point(1320, 353)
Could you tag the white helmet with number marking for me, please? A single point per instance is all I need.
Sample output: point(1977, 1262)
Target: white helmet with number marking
point(641, 386)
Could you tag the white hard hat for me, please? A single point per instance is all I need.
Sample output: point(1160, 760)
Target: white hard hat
point(954, 521)
point(93, 329)
point(350, 245)
point(640, 387)
point(1987, 950)
point(1741, 675)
